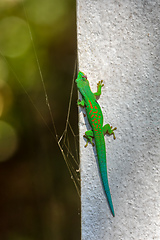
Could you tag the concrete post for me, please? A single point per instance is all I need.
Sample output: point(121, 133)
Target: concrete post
point(119, 42)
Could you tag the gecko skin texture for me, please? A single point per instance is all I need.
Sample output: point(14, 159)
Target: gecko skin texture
point(95, 118)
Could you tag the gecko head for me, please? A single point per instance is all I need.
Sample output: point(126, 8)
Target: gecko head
point(82, 80)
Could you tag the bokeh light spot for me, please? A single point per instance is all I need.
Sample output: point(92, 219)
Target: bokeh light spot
point(8, 3)
point(6, 97)
point(46, 12)
point(8, 141)
point(14, 37)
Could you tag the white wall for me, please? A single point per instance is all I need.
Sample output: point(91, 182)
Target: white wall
point(119, 42)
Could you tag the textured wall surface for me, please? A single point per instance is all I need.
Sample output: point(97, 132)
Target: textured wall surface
point(119, 42)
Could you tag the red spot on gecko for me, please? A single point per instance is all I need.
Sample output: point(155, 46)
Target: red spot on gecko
point(95, 107)
point(90, 104)
point(90, 112)
point(92, 116)
point(96, 111)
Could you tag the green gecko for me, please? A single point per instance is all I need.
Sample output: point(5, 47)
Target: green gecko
point(95, 118)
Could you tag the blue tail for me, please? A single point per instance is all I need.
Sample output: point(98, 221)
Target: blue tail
point(104, 177)
point(101, 152)
point(108, 194)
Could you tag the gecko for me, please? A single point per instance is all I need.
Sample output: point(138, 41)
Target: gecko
point(95, 118)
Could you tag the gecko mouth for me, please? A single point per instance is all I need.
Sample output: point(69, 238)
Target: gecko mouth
point(84, 76)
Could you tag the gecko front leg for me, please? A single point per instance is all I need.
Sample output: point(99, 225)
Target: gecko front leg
point(81, 103)
point(99, 86)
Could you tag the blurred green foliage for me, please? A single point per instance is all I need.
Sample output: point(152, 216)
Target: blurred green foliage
point(38, 198)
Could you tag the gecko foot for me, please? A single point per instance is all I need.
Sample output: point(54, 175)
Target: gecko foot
point(100, 84)
point(89, 139)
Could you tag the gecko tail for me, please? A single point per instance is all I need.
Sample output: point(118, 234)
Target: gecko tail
point(109, 199)
point(101, 152)
point(105, 183)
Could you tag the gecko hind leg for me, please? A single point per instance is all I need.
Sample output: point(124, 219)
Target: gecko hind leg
point(89, 135)
point(108, 129)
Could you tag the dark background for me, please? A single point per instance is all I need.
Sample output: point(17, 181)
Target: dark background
point(38, 200)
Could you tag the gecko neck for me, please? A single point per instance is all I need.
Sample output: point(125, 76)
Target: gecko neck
point(86, 93)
